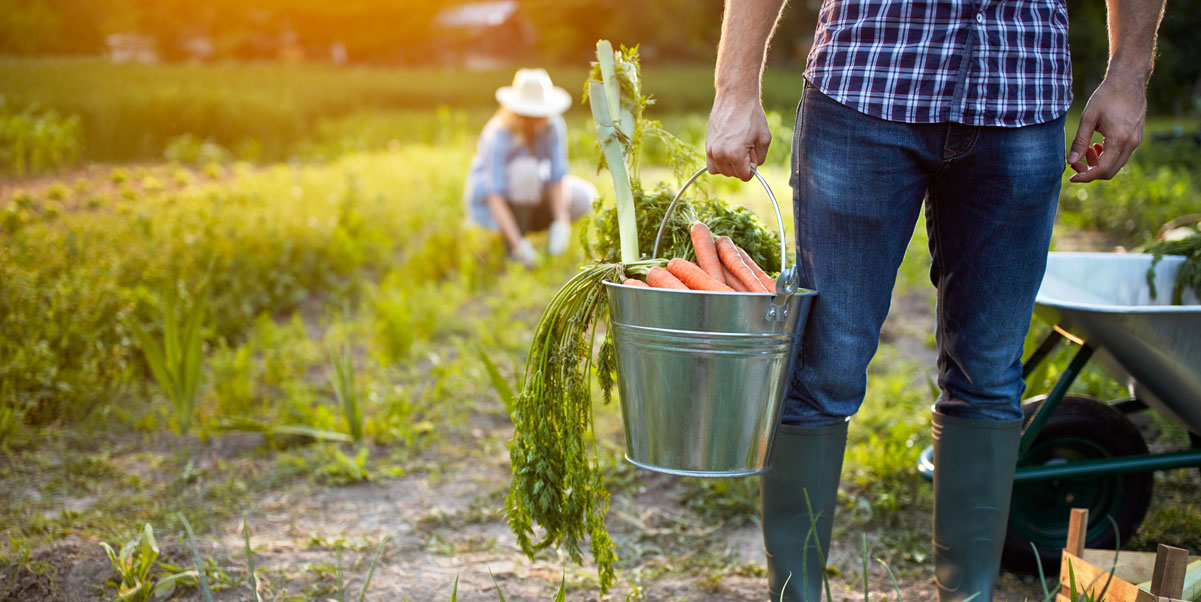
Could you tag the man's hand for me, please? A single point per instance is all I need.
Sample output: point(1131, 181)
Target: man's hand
point(1117, 109)
point(738, 136)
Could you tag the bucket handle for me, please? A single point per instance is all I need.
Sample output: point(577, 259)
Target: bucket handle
point(786, 283)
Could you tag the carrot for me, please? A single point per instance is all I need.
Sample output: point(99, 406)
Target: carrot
point(733, 280)
point(661, 278)
point(730, 258)
point(706, 251)
point(766, 280)
point(694, 277)
point(635, 282)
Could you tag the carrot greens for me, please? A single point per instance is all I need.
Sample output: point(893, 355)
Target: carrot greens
point(557, 496)
point(1189, 275)
point(556, 481)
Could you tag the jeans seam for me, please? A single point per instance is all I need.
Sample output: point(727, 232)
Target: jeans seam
point(971, 146)
point(798, 264)
point(939, 315)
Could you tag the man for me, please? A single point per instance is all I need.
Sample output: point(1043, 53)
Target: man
point(957, 106)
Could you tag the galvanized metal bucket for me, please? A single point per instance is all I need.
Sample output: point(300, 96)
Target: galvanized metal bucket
point(702, 375)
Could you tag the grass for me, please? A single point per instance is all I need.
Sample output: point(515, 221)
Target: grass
point(176, 362)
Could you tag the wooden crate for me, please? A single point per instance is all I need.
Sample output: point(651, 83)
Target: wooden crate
point(1169, 575)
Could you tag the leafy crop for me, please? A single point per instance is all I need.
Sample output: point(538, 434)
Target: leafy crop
point(177, 361)
point(556, 482)
point(1189, 275)
point(342, 379)
point(73, 289)
point(34, 139)
point(140, 575)
point(739, 223)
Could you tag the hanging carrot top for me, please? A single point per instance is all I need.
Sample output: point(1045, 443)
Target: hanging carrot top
point(556, 482)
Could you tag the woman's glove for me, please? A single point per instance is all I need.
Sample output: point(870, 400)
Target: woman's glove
point(560, 236)
point(525, 253)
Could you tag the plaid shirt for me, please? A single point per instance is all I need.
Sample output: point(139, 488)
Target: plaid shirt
point(976, 62)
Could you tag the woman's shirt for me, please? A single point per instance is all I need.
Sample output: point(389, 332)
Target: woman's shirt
point(497, 148)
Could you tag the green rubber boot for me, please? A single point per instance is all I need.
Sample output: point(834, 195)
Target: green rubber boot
point(805, 460)
point(973, 477)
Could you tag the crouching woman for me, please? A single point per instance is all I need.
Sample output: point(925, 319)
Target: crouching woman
point(518, 181)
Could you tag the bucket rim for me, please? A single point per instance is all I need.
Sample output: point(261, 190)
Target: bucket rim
point(704, 474)
point(798, 292)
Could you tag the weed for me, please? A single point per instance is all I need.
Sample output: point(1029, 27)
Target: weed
point(58, 191)
point(342, 380)
point(192, 150)
point(176, 363)
point(33, 139)
point(498, 382)
point(327, 463)
point(140, 575)
point(204, 586)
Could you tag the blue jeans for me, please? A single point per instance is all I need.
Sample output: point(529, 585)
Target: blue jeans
point(990, 196)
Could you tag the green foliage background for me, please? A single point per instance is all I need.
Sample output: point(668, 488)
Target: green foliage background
point(562, 32)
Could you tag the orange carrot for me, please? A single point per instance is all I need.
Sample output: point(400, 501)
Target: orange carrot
point(766, 280)
point(706, 252)
point(635, 282)
point(733, 280)
point(730, 258)
point(661, 278)
point(694, 277)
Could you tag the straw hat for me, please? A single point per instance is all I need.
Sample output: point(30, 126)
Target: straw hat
point(533, 95)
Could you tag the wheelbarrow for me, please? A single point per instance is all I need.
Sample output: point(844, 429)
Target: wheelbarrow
point(1077, 451)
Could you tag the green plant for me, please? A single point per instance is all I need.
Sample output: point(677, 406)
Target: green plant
point(328, 463)
point(176, 363)
point(1135, 202)
point(252, 578)
point(11, 416)
point(189, 149)
point(204, 585)
point(33, 139)
point(379, 551)
point(1188, 278)
point(342, 380)
point(560, 596)
point(139, 573)
point(19, 562)
point(498, 382)
point(556, 481)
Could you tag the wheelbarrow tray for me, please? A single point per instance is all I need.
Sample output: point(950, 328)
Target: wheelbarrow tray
point(1148, 344)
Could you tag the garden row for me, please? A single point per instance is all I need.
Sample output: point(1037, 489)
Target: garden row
point(86, 268)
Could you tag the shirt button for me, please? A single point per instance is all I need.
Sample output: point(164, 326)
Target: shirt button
point(979, 18)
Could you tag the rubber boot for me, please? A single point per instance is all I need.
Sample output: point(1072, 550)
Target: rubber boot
point(799, 490)
point(973, 477)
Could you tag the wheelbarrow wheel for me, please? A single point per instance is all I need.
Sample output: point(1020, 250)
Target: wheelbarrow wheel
point(1081, 428)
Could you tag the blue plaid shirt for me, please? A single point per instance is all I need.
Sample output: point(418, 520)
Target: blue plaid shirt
point(976, 62)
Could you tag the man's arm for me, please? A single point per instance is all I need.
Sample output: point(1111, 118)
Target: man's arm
point(738, 134)
point(1118, 107)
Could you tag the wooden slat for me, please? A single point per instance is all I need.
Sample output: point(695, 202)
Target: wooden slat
point(1192, 576)
point(1077, 531)
point(1092, 580)
point(1135, 567)
point(1170, 566)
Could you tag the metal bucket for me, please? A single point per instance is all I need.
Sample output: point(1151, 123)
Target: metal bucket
point(702, 375)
